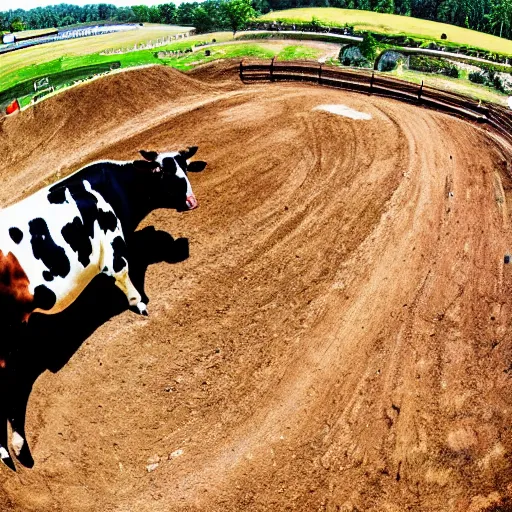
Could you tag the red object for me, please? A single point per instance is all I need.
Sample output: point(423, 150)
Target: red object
point(13, 107)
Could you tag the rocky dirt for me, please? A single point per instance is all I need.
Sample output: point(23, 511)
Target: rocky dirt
point(338, 338)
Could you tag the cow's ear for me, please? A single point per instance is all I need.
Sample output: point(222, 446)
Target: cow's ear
point(196, 166)
point(150, 156)
point(144, 165)
point(189, 152)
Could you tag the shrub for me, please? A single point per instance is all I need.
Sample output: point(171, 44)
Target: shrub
point(497, 83)
point(433, 65)
point(368, 46)
point(477, 77)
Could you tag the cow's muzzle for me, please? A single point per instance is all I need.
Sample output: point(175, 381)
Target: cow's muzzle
point(192, 202)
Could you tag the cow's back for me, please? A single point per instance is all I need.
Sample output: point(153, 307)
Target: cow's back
point(52, 243)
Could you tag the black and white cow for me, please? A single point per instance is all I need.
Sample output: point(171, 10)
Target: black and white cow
point(53, 243)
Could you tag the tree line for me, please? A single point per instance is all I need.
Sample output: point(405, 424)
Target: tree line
point(491, 16)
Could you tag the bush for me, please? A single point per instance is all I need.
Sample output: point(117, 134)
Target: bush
point(498, 84)
point(368, 46)
point(433, 65)
point(453, 72)
point(477, 77)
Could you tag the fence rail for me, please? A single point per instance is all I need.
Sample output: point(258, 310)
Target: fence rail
point(495, 116)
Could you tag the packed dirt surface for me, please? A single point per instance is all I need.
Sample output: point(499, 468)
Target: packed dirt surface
point(338, 339)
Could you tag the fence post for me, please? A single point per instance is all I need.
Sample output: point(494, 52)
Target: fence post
point(371, 81)
point(420, 91)
point(320, 74)
point(272, 70)
point(241, 70)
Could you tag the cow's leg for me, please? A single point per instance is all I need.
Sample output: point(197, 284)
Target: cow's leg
point(20, 374)
point(5, 386)
point(18, 442)
point(115, 264)
point(16, 413)
point(5, 457)
point(124, 283)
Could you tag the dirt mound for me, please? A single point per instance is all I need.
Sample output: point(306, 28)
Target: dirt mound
point(221, 73)
point(338, 339)
point(59, 133)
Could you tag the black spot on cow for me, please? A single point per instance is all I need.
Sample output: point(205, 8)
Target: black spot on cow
point(87, 205)
point(44, 298)
point(46, 250)
point(57, 195)
point(80, 232)
point(107, 221)
point(76, 236)
point(16, 235)
point(47, 276)
point(120, 253)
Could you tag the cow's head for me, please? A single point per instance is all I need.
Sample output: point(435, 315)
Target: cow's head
point(169, 172)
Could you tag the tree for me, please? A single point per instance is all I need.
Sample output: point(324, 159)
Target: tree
point(500, 16)
point(202, 20)
point(368, 47)
point(141, 13)
point(387, 6)
point(16, 25)
point(167, 13)
point(237, 13)
point(185, 13)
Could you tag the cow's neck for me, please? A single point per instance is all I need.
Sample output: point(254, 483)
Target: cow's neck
point(129, 191)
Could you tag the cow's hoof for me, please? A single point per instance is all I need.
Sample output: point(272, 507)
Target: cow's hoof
point(143, 310)
point(17, 443)
point(6, 458)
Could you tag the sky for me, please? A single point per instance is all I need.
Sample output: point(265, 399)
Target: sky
point(5, 5)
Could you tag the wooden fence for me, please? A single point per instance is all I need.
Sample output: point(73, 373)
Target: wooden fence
point(371, 82)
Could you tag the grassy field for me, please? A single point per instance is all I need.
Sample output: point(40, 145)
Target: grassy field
point(33, 33)
point(242, 50)
point(393, 24)
point(29, 64)
point(57, 58)
point(18, 61)
point(456, 85)
point(264, 50)
point(52, 58)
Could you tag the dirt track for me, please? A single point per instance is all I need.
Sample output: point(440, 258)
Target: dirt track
point(339, 338)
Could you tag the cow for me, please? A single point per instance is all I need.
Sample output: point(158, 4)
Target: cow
point(54, 242)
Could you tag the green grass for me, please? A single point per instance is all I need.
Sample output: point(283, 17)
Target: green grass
point(58, 58)
point(240, 51)
point(455, 85)
point(10, 78)
point(58, 69)
point(297, 52)
point(73, 48)
point(393, 24)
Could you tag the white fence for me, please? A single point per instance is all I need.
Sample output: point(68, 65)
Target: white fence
point(149, 45)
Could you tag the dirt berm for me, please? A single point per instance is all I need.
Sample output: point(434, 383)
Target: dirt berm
point(338, 339)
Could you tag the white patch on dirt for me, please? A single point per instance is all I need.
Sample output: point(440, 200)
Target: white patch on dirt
point(343, 110)
point(175, 454)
